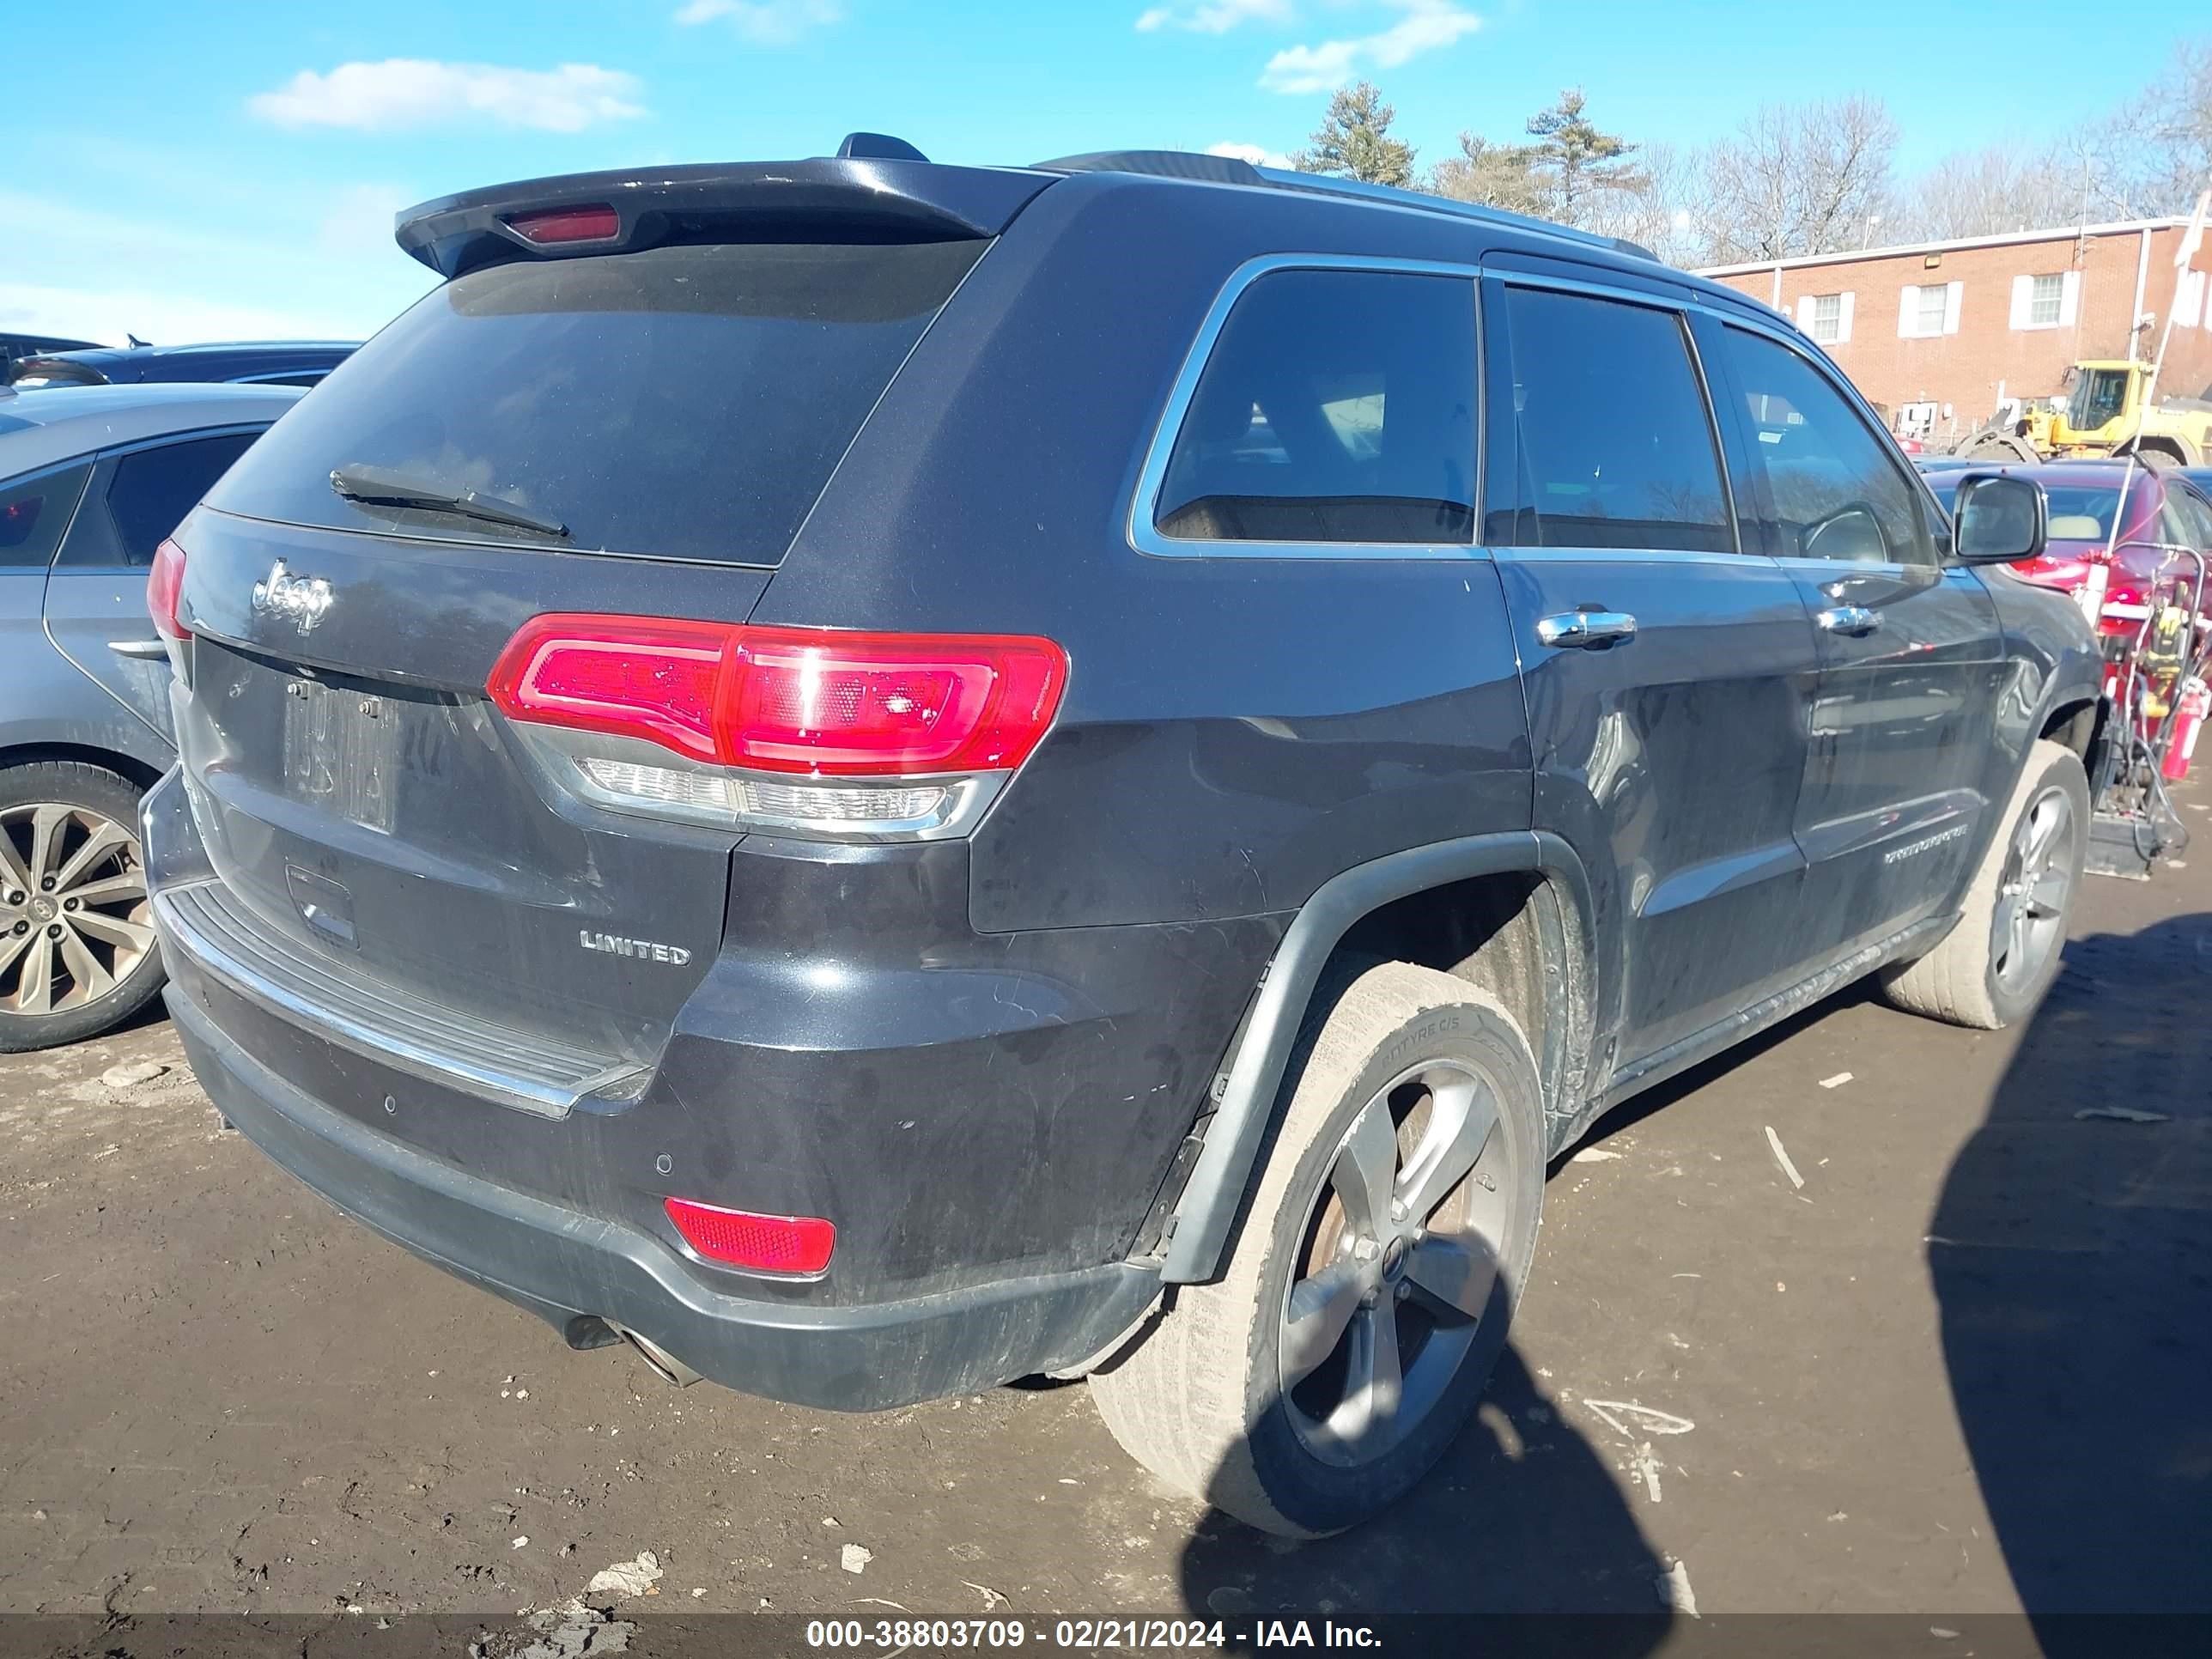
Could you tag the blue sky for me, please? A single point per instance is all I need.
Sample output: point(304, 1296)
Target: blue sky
point(224, 171)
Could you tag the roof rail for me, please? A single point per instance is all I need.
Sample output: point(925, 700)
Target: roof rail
point(1159, 163)
point(1229, 170)
point(1421, 200)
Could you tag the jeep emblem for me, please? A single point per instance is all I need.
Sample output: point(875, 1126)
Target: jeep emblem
point(302, 599)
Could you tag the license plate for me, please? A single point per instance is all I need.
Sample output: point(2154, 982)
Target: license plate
point(339, 749)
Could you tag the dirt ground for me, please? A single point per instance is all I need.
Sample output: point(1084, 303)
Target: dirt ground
point(1961, 1369)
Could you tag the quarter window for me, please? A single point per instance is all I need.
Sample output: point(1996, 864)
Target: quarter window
point(154, 489)
point(1832, 491)
point(1335, 406)
point(33, 513)
point(1611, 443)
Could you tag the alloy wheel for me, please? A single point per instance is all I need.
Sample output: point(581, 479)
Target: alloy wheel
point(2030, 915)
point(1400, 1263)
point(74, 919)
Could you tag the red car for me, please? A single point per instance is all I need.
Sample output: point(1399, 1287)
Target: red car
point(2163, 510)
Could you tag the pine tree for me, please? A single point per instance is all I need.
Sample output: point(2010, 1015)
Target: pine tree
point(1575, 161)
point(1353, 141)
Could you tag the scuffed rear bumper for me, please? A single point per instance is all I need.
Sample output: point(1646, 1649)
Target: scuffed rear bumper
point(565, 1265)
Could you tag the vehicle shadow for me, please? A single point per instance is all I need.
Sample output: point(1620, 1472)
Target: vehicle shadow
point(1521, 1516)
point(2072, 1261)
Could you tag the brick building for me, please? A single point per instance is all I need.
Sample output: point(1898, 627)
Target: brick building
point(1942, 335)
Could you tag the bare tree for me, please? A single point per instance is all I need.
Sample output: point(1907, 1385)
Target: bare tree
point(2180, 128)
point(1667, 211)
point(1801, 178)
point(1984, 192)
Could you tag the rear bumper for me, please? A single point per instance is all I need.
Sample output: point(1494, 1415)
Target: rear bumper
point(569, 1267)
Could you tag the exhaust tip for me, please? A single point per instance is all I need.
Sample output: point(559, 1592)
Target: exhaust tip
point(664, 1365)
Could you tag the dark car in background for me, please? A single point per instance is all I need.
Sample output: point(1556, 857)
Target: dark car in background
point(259, 363)
point(91, 480)
point(14, 346)
point(881, 777)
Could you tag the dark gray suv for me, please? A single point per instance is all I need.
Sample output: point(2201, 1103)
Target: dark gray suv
point(879, 777)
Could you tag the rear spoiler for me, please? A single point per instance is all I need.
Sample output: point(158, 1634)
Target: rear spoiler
point(864, 196)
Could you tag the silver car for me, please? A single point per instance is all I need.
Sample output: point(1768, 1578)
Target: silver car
point(91, 479)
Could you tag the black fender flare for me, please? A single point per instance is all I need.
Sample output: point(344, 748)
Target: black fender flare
point(1210, 1203)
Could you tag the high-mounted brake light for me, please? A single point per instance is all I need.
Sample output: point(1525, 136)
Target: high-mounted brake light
point(165, 585)
point(795, 1244)
point(567, 224)
point(874, 735)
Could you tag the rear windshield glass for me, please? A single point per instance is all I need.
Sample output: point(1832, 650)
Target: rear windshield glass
point(684, 402)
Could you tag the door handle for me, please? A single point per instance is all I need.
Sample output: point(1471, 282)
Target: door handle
point(1854, 619)
point(1585, 629)
point(146, 648)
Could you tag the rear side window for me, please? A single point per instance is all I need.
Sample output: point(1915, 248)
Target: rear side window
point(33, 513)
point(683, 402)
point(1833, 490)
point(1335, 406)
point(153, 490)
point(1611, 445)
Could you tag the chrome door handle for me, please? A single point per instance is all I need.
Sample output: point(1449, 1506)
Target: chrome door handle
point(148, 648)
point(1586, 628)
point(1849, 619)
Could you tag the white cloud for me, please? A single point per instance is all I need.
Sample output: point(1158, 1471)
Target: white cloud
point(1214, 17)
point(1253, 152)
point(414, 91)
point(1426, 25)
point(766, 22)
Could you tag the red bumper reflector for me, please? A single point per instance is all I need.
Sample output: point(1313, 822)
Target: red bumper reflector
point(760, 1243)
point(165, 586)
point(577, 224)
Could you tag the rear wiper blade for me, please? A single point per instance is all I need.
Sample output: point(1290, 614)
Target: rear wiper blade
point(376, 488)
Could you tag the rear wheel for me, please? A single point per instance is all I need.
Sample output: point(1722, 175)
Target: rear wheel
point(1368, 1295)
point(1993, 967)
point(77, 952)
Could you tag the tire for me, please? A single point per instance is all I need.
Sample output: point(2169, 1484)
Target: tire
point(1987, 973)
point(77, 953)
point(1221, 1398)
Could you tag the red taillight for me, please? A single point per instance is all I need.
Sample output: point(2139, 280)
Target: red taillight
point(759, 1243)
point(788, 700)
point(165, 583)
point(569, 224)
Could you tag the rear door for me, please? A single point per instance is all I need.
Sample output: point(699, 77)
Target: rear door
point(96, 596)
point(1668, 669)
point(1906, 766)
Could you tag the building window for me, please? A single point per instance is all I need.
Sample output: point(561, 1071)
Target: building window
point(2046, 299)
point(1825, 317)
point(1929, 310)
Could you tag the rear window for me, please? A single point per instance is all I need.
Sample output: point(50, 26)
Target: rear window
point(684, 402)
